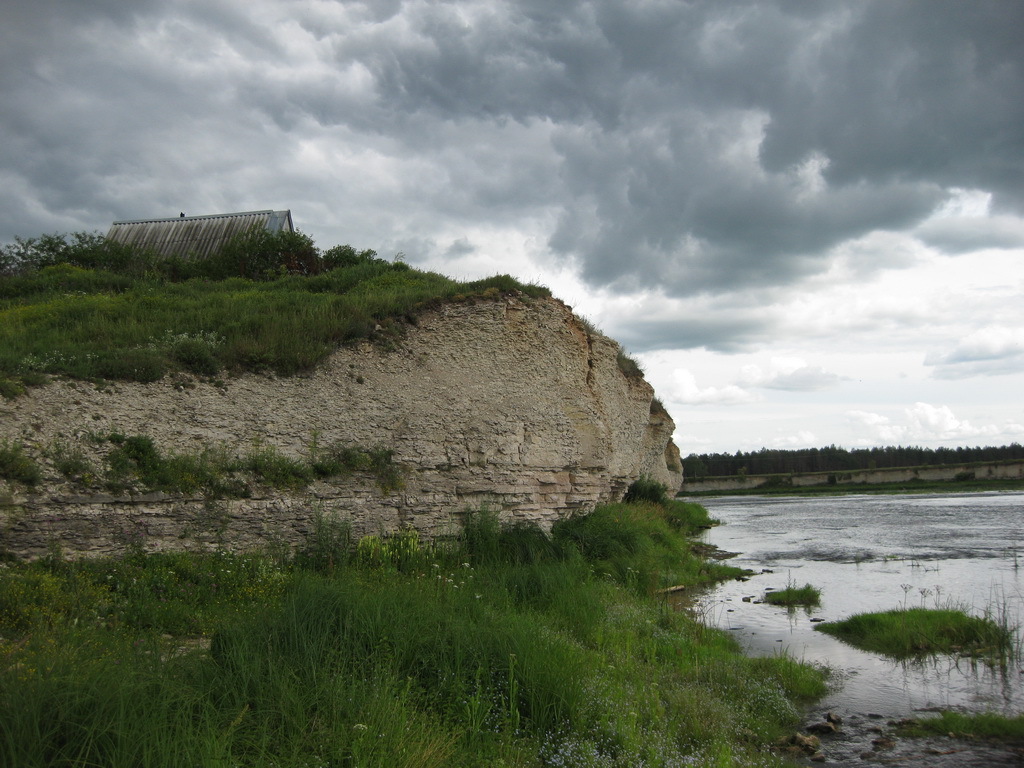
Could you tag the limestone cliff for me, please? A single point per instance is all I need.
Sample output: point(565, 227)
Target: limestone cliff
point(510, 404)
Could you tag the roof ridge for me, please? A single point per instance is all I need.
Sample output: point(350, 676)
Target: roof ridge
point(204, 216)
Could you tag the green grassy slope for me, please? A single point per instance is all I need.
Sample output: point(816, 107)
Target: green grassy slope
point(91, 311)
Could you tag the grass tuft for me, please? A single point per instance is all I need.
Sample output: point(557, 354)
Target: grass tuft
point(792, 596)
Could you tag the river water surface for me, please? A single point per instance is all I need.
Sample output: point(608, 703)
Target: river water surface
point(875, 553)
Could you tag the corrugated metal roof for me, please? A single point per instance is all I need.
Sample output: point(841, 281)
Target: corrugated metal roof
point(195, 236)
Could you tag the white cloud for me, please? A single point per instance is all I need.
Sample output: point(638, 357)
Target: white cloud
point(992, 350)
point(964, 203)
point(938, 422)
point(684, 389)
point(803, 439)
point(927, 424)
point(868, 418)
point(791, 374)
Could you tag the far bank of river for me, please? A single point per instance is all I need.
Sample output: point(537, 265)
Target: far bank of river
point(872, 553)
point(952, 478)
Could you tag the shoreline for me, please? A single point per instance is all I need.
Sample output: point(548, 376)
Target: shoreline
point(910, 487)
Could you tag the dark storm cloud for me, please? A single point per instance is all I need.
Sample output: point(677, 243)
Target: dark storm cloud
point(93, 119)
point(913, 90)
point(697, 147)
point(711, 145)
point(894, 101)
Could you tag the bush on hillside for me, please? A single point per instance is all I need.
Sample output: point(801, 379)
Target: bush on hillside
point(79, 249)
point(647, 489)
point(257, 254)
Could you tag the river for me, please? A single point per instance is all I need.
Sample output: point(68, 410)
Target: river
point(874, 553)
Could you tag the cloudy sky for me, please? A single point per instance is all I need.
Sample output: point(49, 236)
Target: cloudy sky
point(804, 218)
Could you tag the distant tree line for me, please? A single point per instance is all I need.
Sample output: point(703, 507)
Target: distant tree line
point(770, 461)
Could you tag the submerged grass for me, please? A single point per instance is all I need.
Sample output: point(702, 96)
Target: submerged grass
point(908, 632)
point(985, 725)
point(505, 646)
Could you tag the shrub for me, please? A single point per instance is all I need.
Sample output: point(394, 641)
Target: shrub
point(70, 461)
point(79, 249)
point(135, 455)
point(10, 389)
point(346, 256)
point(636, 545)
point(195, 352)
point(645, 489)
point(15, 465)
point(259, 254)
point(611, 532)
point(137, 460)
point(526, 543)
point(343, 459)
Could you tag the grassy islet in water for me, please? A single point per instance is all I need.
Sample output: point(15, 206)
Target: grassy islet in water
point(908, 632)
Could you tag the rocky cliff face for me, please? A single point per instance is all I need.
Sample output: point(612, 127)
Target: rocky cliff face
point(509, 404)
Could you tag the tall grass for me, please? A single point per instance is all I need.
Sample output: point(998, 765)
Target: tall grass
point(421, 655)
point(640, 545)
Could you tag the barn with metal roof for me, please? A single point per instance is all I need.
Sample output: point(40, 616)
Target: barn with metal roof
point(195, 236)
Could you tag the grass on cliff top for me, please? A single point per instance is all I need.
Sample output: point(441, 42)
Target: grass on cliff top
point(89, 309)
point(502, 646)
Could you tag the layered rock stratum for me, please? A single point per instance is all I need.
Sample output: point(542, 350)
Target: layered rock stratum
point(511, 404)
